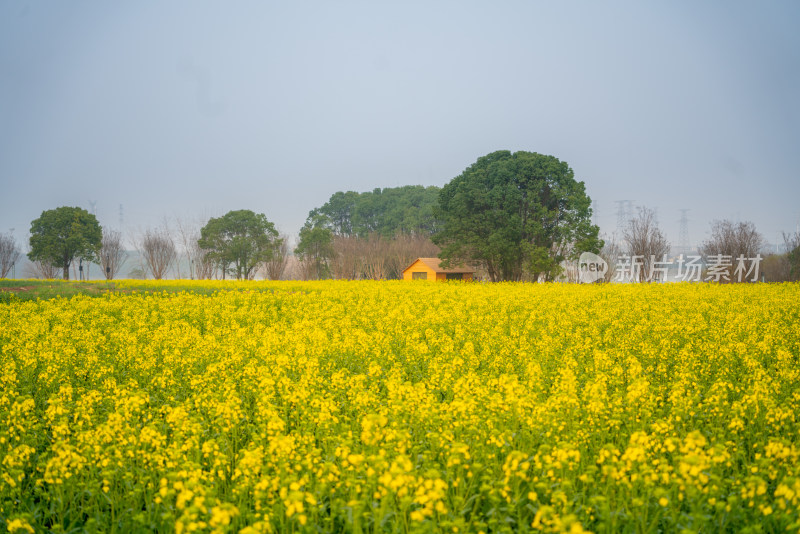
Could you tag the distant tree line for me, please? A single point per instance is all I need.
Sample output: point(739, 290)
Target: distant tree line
point(236, 244)
point(512, 216)
point(407, 210)
point(372, 235)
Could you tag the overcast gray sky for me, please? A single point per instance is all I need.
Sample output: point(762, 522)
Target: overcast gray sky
point(196, 108)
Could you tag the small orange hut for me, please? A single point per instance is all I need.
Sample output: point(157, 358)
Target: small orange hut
point(429, 269)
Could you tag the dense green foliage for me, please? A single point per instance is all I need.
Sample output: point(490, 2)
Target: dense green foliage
point(408, 210)
point(518, 215)
point(64, 234)
point(239, 241)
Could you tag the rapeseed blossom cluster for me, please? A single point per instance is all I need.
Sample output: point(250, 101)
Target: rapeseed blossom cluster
point(402, 407)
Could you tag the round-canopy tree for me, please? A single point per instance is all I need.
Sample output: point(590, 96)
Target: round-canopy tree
point(516, 214)
point(241, 240)
point(61, 235)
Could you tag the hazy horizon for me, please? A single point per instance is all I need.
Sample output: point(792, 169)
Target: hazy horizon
point(194, 109)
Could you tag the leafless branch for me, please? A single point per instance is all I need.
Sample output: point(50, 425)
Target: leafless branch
point(200, 266)
point(610, 252)
point(9, 253)
point(158, 251)
point(791, 240)
point(38, 269)
point(276, 267)
point(645, 241)
point(733, 240)
point(112, 254)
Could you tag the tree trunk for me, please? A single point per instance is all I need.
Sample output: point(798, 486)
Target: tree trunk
point(66, 271)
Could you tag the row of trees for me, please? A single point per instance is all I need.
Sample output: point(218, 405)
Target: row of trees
point(372, 235)
point(374, 257)
point(370, 257)
point(513, 216)
point(61, 236)
point(354, 235)
point(237, 243)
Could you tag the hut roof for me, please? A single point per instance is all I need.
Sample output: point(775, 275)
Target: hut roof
point(433, 264)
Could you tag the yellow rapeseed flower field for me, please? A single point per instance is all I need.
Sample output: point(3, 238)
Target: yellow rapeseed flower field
point(402, 407)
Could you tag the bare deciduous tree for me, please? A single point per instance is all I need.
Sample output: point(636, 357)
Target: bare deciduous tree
point(733, 241)
point(346, 263)
point(406, 248)
point(201, 266)
point(158, 251)
point(9, 253)
point(776, 268)
point(276, 266)
point(793, 254)
point(39, 269)
point(292, 271)
point(610, 252)
point(307, 269)
point(112, 254)
point(374, 254)
point(375, 257)
point(646, 243)
point(204, 267)
point(791, 240)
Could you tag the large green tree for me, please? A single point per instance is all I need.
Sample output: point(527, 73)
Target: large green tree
point(61, 235)
point(239, 241)
point(518, 214)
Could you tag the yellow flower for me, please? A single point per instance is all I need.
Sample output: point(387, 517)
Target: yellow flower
point(19, 525)
point(334, 401)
